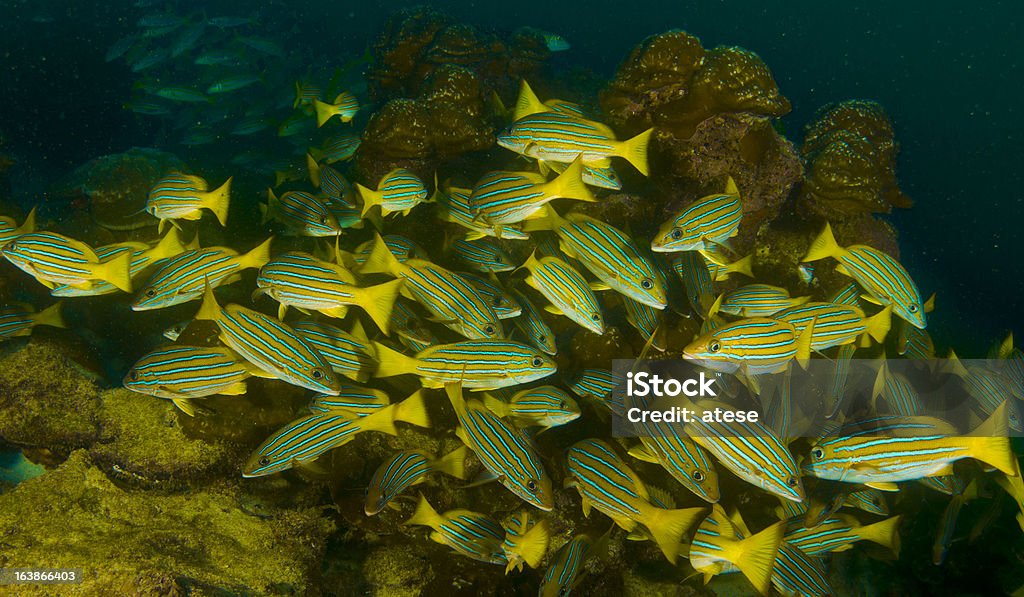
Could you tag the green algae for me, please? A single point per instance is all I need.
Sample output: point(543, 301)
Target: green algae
point(131, 542)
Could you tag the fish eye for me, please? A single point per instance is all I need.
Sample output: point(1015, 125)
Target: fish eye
point(537, 361)
point(150, 292)
point(317, 373)
point(134, 375)
point(646, 284)
point(489, 329)
point(323, 220)
point(264, 461)
point(792, 481)
point(13, 245)
point(497, 301)
point(912, 307)
point(542, 338)
point(715, 346)
point(596, 316)
point(562, 405)
point(698, 476)
point(677, 233)
point(531, 485)
point(817, 453)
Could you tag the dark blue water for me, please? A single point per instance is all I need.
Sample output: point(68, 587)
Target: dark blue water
point(948, 74)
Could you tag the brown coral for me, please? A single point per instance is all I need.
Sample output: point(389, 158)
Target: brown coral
point(850, 151)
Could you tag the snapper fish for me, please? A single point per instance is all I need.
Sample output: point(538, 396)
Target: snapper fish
point(179, 196)
point(453, 206)
point(17, 321)
point(399, 191)
point(483, 256)
point(718, 547)
point(544, 406)
point(354, 400)
point(484, 364)
point(409, 468)
point(502, 197)
point(709, 221)
point(344, 106)
point(531, 324)
point(569, 564)
point(504, 305)
point(476, 536)
point(566, 290)
point(143, 257)
point(54, 259)
point(302, 213)
point(758, 300)
point(753, 346)
point(9, 230)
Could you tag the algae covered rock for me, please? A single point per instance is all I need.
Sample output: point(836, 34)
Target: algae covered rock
point(143, 543)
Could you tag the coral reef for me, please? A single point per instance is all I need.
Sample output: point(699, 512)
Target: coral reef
point(850, 150)
point(146, 543)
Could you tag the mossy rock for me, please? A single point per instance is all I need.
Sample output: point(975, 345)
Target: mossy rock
point(131, 542)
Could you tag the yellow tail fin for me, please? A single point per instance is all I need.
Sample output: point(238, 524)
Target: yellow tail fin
point(496, 405)
point(314, 170)
point(117, 271)
point(268, 210)
point(370, 198)
point(570, 185)
point(635, 151)
point(381, 260)
point(803, 344)
point(29, 225)
point(667, 527)
point(209, 309)
point(169, 246)
point(532, 545)
point(218, 201)
point(878, 325)
point(257, 257)
point(453, 463)
point(731, 188)
point(823, 246)
point(425, 515)
point(379, 301)
point(885, 533)
point(391, 362)
point(528, 103)
point(413, 410)
point(755, 556)
point(990, 441)
point(742, 266)
point(50, 316)
point(324, 112)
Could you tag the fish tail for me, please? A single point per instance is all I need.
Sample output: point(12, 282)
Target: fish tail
point(117, 271)
point(314, 169)
point(370, 197)
point(50, 316)
point(29, 225)
point(169, 246)
point(496, 405)
point(454, 392)
point(268, 210)
point(257, 257)
point(635, 151)
point(218, 201)
point(324, 112)
point(209, 310)
point(668, 527)
point(453, 463)
point(380, 260)
point(528, 103)
point(533, 544)
point(391, 362)
point(803, 344)
point(742, 266)
point(755, 556)
point(823, 246)
point(878, 325)
point(731, 188)
point(379, 302)
point(570, 185)
point(885, 533)
point(991, 442)
point(425, 515)
point(413, 410)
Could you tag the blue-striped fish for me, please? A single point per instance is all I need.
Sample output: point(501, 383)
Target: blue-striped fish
point(349, 354)
point(16, 321)
point(895, 449)
point(608, 485)
point(412, 332)
point(483, 256)
point(142, 255)
point(608, 253)
point(595, 383)
point(504, 450)
point(693, 271)
point(401, 247)
point(687, 462)
point(357, 401)
point(344, 106)
point(179, 196)
point(484, 364)
point(605, 178)
point(708, 221)
point(504, 305)
point(884, 279)
point(752, 346)
point(947, 526)
point(568, 565)
point(758, 300)
point(269, 344)
point(182, 278)
point(339, 148)
point(796, 573)
point(989, 388)
point(306, 439)
point(453, 206)
point(723, 269)
point(476, 536)
point(840, 532)
point(502, 197)
point(330, 182)
point(913, 342)
point(900, 396)
point(567, 291)
point(532, 325)
point(750, 449)
point(306, 92)
point(869, 500)
point(836, 325)
point(450, 299)
point(718, 547)
point(408, 468)
point(180, 373)
point(544, 406)
point(399, 191)
point(558, 137)
point(54, 259)
point(300, 280)
point(302, 213)
point(805, 271)
point(9, 229)
point(647, 320)
point(526, 541)
point(846, 295)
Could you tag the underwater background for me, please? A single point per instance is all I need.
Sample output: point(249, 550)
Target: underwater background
point(945, 74)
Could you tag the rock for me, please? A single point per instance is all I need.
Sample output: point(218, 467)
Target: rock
point(143, 543)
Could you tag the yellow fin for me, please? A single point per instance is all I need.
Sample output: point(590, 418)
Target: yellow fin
point(314, 170)
point(50, 316)
point(235, 389)
point(257, 257)
point(635, 151)
point(884, 533)
point(823, 246)
point(883, 486)
point(730, 187)
point(496, 405)
point(117, 271)
point(218, 201)
point(425, 515)
point(990, 441)
point(209, 309)
point(370, 198)
point(532, 545)
point(378, 302)
point(453, 463)
point(381, 260)
point(641, 453)
point(667, 527)
point(392, 362)
point(570, 185)
point(527, 103)
point(879, 324)
point(756, 555)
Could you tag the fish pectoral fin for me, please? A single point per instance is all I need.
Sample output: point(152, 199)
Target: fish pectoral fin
point(553, 310)
point(840, 269)
point(599, 286)
point(339, 312)
point(870, 299)
point(483, 478)
point(883, 486)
